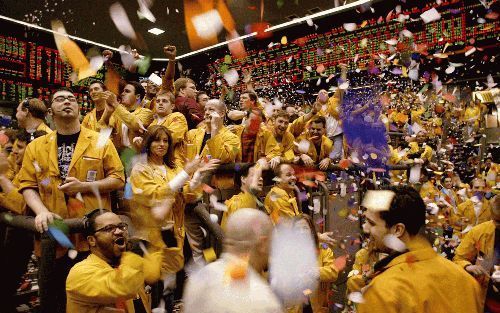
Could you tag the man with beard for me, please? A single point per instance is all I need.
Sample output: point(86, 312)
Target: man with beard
point(111, 278)
point(58, 178)
point(413, 277)
point(280, 202)
point(319, 148)
point(234, 282)
point(284, 139)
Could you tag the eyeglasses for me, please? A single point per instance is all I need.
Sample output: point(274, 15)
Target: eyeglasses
point(61, 99)
point(112, 228)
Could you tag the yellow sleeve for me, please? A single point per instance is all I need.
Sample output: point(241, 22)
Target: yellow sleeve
point(225, 146)
point(152, 267)
point(145, 116)
point(466, 251)
point(112, 164)
point(178, 127)
point(297, 126)
point(173, 260)
point(271, 146)
point(327, 272)
point(278, 206)
point(94, 284)
point(145, 189)
point(379, 299)
point(427, 154)
point(27, 173)
point(13, 201)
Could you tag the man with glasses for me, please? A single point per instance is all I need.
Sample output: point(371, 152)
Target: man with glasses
point(111, 278)
point(30, 115)
point(61, 175)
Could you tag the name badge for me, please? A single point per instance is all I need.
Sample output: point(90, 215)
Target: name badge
point(91, 176)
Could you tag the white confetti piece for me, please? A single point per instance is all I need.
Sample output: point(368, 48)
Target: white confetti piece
point(216, 204)
point(356, 297)
point(344, 85)
point(303, 146)
point(79, 197)
point(350, 26)
point(394, 243)
point(121, 20)
point(104, 134)
point(144, 11)
point(208, 24)
point(415, 174)
point(378, 200)
point(72, 254)
point(214, 218)
point(392, 42)
point(430, 16)
point(231, 77)
point(450, 69)
point(155, 79)
point(470, 51)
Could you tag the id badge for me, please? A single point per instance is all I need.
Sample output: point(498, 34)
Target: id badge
point(91, 176)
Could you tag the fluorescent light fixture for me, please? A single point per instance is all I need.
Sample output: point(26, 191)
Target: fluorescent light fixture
point(283, 25)
point(58, 33)
point(156, 31)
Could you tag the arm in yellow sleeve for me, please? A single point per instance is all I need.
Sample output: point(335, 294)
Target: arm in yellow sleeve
point(225, 146)
point(271, 146)
point(144, 187)
point(11, 199)
point(327, 271)
point(152, 267)
point(379, 299)
point(177, 126)
point(95, 284)
point(466, 251)
point(145, 116)
point(297, 126)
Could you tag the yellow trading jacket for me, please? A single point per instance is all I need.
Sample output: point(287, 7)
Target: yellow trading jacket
point(90, 121)
point(44, 127)
point(426, 154)
point(13, 200)
point(328, 273)
point(150, 187)
point(265, 143)
point(242, 200)
point(326, 148)
point(280, 203)
point(122, 116)
point(40, 171)
point(479, 241)
point(177, 125)
point(421, 281)
point(466, 210)
point(94, 286)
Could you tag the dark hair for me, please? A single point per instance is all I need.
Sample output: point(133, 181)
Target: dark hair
point(319, 120)
point(277, 170)
point(154, 134)
point(252, 95)
point(100, 84)
point(199, 94)
point(36, 107)
point(241, 173)
point(51, 98)
point(139, 90)
point(310, 222)
point(407, 207)
point(89, 220)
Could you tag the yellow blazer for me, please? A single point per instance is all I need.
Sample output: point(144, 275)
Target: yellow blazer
point(242, 200)
point(421, 281)
point(280, 203)
point(40, 171)
point(479, 241)
point(94, 286)
point(265, 143)
point(122, 116)
point(325, 150)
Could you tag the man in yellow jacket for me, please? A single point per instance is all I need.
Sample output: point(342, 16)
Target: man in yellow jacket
point(413, 278)
point(476, 254)
point(93, 119)
point(281, 202)
point(60, 173)
point(284, 138)
point(313, 146)
point(211, 140)
point(110, 279)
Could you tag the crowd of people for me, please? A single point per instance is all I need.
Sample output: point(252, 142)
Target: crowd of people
point(139, 165)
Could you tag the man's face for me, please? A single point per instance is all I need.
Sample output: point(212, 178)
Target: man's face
point(94, 90)
point(128, 96)
point(448, 183)
point(281, 125)
point(151, 88)
point(323, 96)
point(290, 110)
point(163, 105)
point(376, 227)
point(111, 241)
point(64, 105)
point(202, 100)
point(317, 130)
point(190, 90)
point(21, 114)
point(250, 183)
point(18, 151)
point(211, 108)
point(478, 188)
point(245, 102)
point(287, 177)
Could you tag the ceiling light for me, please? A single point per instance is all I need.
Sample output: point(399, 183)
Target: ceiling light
point(156, 31)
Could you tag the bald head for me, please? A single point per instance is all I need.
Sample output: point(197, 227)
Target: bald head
point(245, 229)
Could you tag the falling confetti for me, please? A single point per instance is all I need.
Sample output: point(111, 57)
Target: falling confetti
point(121, 20)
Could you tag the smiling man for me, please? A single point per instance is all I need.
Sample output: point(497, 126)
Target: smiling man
point(413, 277)
point(110, 278)
point(59, 175)
point(281, 202)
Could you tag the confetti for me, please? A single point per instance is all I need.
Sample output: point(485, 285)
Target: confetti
point(430, 16)
point(104, 135)
point(208, 24)
point(394, 243)
point(303, 146)
point(356, 297)
point(121, 21)
point(217, 205)
point(378, 200)
point(350, 26)
point(231, 76)
point(72, 254)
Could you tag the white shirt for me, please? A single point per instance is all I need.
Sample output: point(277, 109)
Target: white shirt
point(210, 290)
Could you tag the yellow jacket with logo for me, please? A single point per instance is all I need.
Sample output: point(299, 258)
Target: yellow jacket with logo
point(325, 148)
point(281, 203)
point(479, 241)
point(265, 143)
point(122, 116)
point(426, 155)
point(90, 121)
point(421, 281)
point(40, 171)
point(150, 188)
point(242, 200)
point(94, 286)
